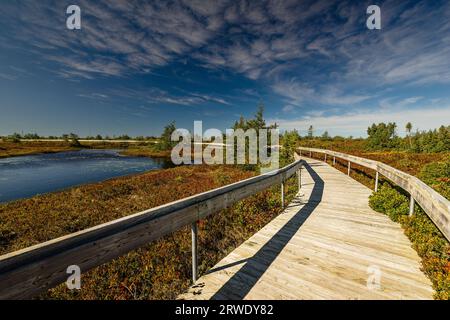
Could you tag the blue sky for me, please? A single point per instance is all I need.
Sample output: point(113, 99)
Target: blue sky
point(137, 65)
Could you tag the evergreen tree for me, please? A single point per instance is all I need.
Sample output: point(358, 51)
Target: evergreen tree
point(408, 131)
point(166, 137)
point(310, 132)
point(382, 136)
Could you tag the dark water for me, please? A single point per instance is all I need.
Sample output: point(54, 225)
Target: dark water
point(22, 177)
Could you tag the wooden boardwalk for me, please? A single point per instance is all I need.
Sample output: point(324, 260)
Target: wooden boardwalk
point(327, 244)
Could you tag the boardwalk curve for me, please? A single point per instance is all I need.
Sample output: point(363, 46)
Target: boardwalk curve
point(327, 244)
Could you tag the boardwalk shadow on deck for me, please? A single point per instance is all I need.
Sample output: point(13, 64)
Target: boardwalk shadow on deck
point(240, 284)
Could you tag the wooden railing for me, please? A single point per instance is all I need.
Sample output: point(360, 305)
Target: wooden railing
point(28, 272)
point(434, 205)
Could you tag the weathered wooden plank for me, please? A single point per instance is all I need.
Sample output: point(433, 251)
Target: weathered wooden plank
point(434, 204)
point(324, 254)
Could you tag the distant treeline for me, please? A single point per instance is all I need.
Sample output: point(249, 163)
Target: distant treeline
point(383, 136)
point(15, 137)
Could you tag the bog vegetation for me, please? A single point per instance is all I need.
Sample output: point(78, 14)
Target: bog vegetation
point(384, 137)
point(162, 269)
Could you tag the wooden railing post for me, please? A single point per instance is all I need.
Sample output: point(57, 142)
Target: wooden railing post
point(376, 181)
point(310, 154)
point(282, 194)
point(194, 234)
point(334, 161)
point(411, 205)
point(325, 157)
point(349, 166)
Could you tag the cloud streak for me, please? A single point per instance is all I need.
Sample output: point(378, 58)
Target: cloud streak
point(309, 58)
point(252, 38)
point(356, 123)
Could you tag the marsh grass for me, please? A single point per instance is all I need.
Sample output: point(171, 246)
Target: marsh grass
point(10, 149)
point(161, 269)
point(23, 148)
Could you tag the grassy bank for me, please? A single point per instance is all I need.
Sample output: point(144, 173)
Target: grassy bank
point(44, 217)
point(146, 151)
point(11, 149)
point(160, 270)
point(23, 148)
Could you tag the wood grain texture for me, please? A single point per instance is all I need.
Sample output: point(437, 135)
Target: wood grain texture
point(325, 245)
point(28, 272)
point(435, 205)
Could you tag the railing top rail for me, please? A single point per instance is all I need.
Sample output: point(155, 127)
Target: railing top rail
point(435, 205)
point(31, 270)
point(358, 160)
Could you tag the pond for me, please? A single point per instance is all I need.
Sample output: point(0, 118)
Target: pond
point(26, 176)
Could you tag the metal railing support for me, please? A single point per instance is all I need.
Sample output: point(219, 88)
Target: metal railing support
point(376, 181)
point(194, 234)
point(411, 205)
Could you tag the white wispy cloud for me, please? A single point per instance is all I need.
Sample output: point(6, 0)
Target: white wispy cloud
point(206, 97)
point(356, 122)
point(296, 93)
point(309, 53)
point(8, 76)
point(248, 37)
point(94, 95)
point(153, 96)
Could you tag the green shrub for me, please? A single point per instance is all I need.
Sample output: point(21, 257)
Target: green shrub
point(222, 178)
point(389, 201)
point(179, 179)
point(437, 176)
point(435, 171)
point(7, 235)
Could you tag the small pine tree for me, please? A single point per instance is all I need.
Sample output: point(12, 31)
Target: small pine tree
point(408, 131)
point(325, 136)
point(310, 132)
point(166, 136)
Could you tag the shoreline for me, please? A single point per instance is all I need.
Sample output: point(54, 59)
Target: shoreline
point(36, 147)
point(154, 163)
point(60, 213)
